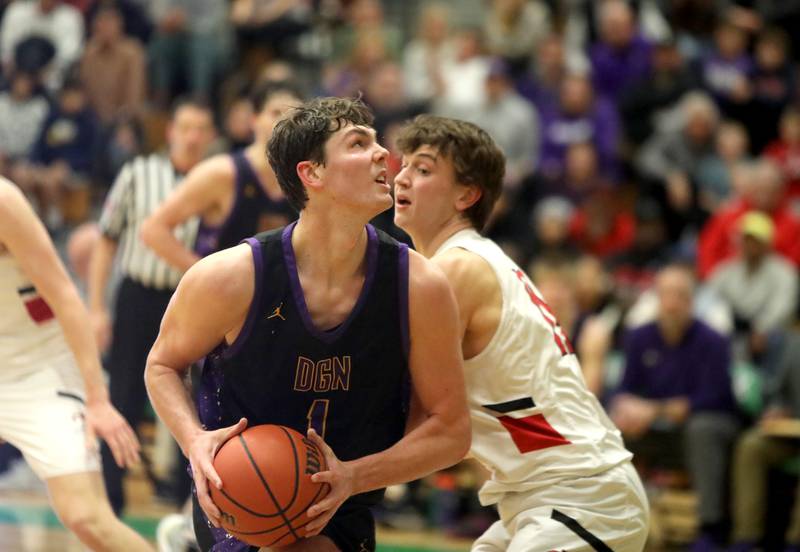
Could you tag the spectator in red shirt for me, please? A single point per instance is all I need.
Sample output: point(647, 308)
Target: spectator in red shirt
point(600, 227)
point(785, 151)
point(764, 193)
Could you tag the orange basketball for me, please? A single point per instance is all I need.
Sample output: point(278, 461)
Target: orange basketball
point(266, 484)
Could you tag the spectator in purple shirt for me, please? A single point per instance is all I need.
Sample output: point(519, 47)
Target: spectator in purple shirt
point(621, 57)
point(676, 395)
point(540, 86)
point(578, 117)
point(725, 71)
point(774, 86)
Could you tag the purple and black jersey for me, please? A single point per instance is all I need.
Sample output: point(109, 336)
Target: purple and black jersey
point(350, 383)
point(253, 211)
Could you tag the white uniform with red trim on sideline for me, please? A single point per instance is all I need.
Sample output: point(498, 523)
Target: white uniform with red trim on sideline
point(540, 431)
point(41, 390)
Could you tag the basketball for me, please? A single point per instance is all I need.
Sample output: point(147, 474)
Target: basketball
point(266, 484)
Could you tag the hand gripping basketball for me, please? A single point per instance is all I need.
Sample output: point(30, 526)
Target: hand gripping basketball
point(267, 487)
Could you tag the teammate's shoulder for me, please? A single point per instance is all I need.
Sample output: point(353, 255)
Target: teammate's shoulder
point(460, 263)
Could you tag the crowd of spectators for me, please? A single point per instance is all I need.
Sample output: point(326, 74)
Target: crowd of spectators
point(652, 185)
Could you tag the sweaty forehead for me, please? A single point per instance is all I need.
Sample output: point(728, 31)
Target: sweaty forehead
point(349, 129)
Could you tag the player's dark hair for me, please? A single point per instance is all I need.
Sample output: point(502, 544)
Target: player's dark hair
point(264, 91)
point(476, 159)
point(301, 136)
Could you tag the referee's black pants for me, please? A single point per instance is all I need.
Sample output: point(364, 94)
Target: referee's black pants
point(137, 318)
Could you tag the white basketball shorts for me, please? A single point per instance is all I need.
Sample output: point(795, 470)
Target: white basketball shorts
point(602, 513)
point(42, 414)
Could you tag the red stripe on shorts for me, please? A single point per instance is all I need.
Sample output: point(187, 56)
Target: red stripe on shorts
point(532, 433)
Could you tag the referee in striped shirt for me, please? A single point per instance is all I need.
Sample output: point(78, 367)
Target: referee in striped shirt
point(147, 281)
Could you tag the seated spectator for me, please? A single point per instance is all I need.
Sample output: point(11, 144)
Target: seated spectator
point(351, 76)
point(581, 177)
point(774, 85)
point(511, 121)
point(113, 68)
point(427, 53)
point(668, 161)
point(763, 191)
point(675, 404)
point(652, 96)
point(544, 232)
point(463, 77)
point(191, 45)
point(51, 20)
point(599, 314)
point(63, 154)
point(601, 227)
point(271, 23)
point(785, 151)
point(118, 144)
point(692, 25)
point(555, 280)
point(763, 313)
point(365, 17)
point(725, 71)
point(714, 171)
point(622, 56)
point(540, 86)
point(385, 93)
point(634, 270)
point(765, 447)
point(513, 28)
point(578, 117)
point(22, 114)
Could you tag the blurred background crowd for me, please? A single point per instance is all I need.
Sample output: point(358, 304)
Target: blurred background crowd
point(652, 186)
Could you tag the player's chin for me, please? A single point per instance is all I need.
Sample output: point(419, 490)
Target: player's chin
point(400, 219)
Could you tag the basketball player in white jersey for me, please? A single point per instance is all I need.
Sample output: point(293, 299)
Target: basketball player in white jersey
point(53, 400)
point(561, 476)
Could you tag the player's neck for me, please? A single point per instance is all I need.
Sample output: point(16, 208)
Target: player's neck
point(331, 249)
point(428, 243)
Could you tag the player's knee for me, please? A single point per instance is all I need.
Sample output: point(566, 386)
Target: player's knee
point(89, 523)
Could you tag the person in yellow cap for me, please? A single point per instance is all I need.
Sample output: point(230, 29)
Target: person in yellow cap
point(759, 285)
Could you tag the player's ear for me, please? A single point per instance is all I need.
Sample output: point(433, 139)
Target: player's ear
point(309, 173)
point(469, 195)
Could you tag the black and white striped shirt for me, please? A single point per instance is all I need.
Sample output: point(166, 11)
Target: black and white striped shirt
point(140, 187)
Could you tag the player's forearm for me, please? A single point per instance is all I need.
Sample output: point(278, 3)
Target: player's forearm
point(172, 401)
point(73, 318)
point(99, 270)
point(433, 445)
point(159, 238)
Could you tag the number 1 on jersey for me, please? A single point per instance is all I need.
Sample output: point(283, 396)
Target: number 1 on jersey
point(318, 416)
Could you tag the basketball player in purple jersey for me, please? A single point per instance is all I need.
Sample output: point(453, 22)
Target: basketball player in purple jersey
point(53, 400)
point(328, 290)
point(236, 195)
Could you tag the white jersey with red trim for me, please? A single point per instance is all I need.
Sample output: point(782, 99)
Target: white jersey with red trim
point(29, 331)
point(534, 422)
